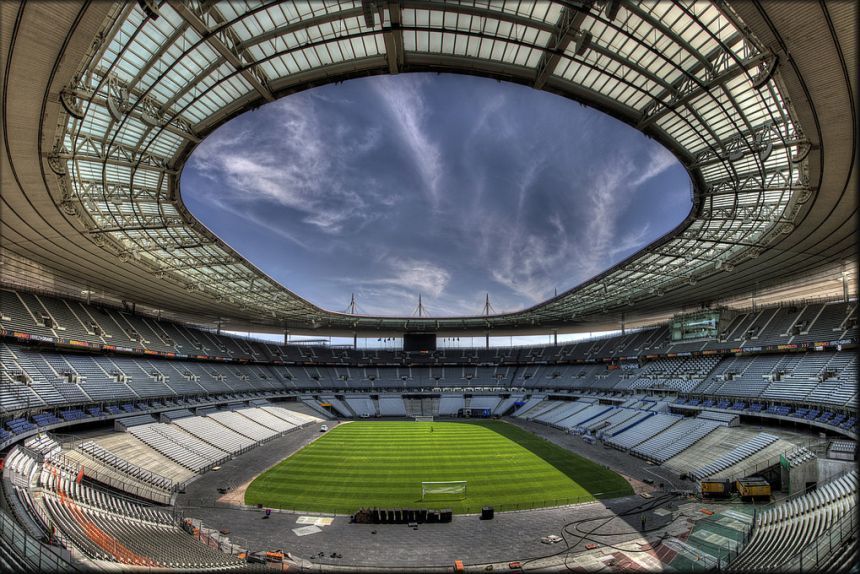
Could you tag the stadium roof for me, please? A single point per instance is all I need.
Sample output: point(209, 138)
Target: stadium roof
point(104, 102)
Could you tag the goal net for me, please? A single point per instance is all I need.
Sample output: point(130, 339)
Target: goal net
point(455, 489)
point(420, 419)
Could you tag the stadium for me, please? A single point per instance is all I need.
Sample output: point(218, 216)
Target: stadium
point(708, 423)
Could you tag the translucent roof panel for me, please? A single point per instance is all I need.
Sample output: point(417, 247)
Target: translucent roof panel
point(684, 71)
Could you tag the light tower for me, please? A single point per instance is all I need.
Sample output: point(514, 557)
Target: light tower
point(420, 310)
point(488, 310)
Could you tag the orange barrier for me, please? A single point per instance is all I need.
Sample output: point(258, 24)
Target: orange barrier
point(101, 538)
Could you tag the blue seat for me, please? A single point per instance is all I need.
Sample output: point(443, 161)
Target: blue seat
point(18, 426)
point(42, 419)
point(73, 414)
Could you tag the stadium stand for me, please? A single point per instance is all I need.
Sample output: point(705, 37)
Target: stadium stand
point(831, 323)
point(735, 456)
point(533, 401)
point(104, 527)
point(179, 446)
point(266, 420)
point(635, 417)
point(505, 405)
point(292, 415)
point(391, 406)
point(210, 411)
point(559, 413)
point(674, 439)
point(843, 449)
point(361, 405)
point(104, 105)
point(449, 405)
point(727, 419)
point(483, 403)
point(338, 406)
point(126, 468)
point(580, 417)
point(209, 430)
point(783, 531)
point(538, 410)
point(241, 425)
point(799, 456)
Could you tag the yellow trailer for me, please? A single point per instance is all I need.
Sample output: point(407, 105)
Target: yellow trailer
point(753, 487)
point(715, 488)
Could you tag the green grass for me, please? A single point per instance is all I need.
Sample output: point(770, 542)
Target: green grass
point(382, 464)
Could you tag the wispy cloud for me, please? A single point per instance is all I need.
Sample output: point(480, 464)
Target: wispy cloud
point(448, 187)
point(659, 160)
point(613, 181)
point(412, 275)
point(404, 101)
point(259, 222)
point(298, 162)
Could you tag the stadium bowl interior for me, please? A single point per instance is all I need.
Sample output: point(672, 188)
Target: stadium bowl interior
point(136, 435)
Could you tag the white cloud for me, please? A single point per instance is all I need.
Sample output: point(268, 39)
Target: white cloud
point(248, 216)
point(659, 160)
point(567, 248)
point(404, 101)
point(631, 240)
point(299, 163)
point(415, 275)
point(513, 210)
point(617, 178)
point(530, 265)
point(489, 112)
point(397, 285)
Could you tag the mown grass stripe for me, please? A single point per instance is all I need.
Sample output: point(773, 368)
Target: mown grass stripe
point(369, 463)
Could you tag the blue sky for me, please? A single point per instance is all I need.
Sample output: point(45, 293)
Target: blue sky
point(451, 186)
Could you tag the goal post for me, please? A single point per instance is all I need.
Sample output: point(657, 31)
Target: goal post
point(444, 490)
point(423, 419)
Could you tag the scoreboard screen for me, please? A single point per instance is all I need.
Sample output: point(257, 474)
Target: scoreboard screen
point(419, 342)
point(701, 325)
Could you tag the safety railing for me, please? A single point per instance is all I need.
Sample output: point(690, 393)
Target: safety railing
point(111, 480)
point(806, 490)
point(31, 551)
point(818, 554)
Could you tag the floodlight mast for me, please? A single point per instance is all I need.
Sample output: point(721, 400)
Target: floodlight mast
point(420, 311)
point(488, 310)
point(351, 310)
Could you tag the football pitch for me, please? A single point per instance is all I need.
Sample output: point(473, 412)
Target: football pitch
point(382, 464)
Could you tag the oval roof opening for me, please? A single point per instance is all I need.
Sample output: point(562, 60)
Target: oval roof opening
point(447, 186)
